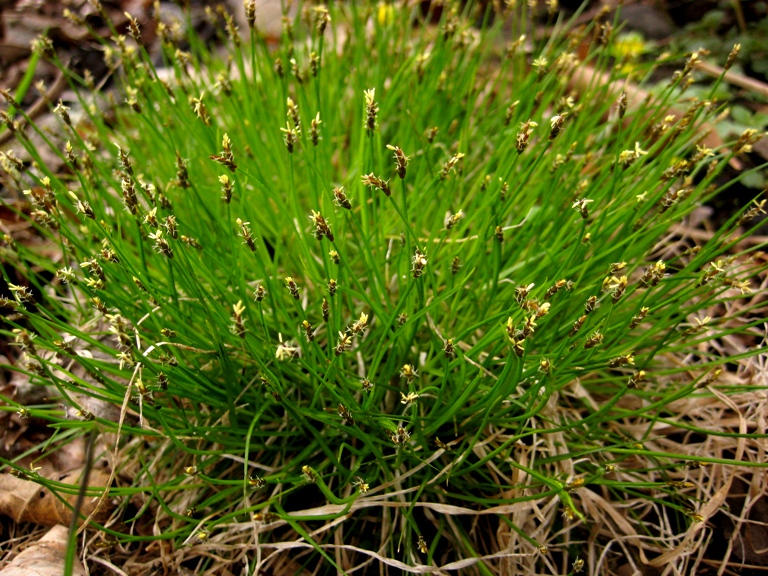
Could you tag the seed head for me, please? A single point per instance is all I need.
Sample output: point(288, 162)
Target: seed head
point(170, 226)
point(701, 325)
point(524, 135)
point(309, 332)
point(636, 378)
point(340, 198)
point(621, 361)
point(321, 226)
point(346, 415)
point(198, 106)
point(161, 244)
point(361, 485)
point(400, 438)
point(374, 181)
point(66, 274)
point(286, 350)
point(290, 138)
point(450, 165)
point(420, 65)
point(541, 64)
point(97, 303)
point(344, 344)
point(529, 326)
point(359, 325)
point(293, 114)
point(518, 346)
point(581, 206)
point(401, 160)
point(449, 349)
point(419, 262)
point(225, 157)
point(82, 207)
point(593, 340)
point(250, 13)
point(744, 144)
point(309, 474)
point(265, 517)
point(322, 19)
point(590, 304)
point(554, 289)
point(732, 56)
point(63, 112)
point(606, 31)
point(371, 110)
point(6, 119)
point(628, 157)
point(408, 373)
point(245, 233)
point(639, 317)
point(134, 28)
point(256, 481)
point(618, 286)
point(259, 293)
point(654, 274)
point(556, 124)
point(574, 484)
point(521, 294)
point(227, 186)
point(182, 176)
point(238, 327)
point(510, 112)
point(622, 106)
point(292, 287)
point(314, 129)
point(452, 219)
point(129, 196)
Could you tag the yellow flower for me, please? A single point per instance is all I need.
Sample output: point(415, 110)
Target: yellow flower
point(385, 14)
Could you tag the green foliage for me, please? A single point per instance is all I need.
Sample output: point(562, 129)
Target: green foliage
point(369, 266)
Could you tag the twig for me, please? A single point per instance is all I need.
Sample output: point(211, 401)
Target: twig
point(585, 75)
point(56, 90)
point(733, 78)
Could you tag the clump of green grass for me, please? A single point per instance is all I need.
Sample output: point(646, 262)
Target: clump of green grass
point(385, 293)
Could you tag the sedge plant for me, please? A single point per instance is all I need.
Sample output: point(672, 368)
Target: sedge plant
point(393, 292)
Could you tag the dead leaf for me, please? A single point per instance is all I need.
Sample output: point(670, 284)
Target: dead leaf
point(44, 558)
point(26, 501)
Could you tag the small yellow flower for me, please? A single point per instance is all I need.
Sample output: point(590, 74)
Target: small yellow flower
point(385, 14)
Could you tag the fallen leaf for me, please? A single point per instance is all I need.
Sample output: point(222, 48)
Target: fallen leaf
point(26, 501)
point(44, 558)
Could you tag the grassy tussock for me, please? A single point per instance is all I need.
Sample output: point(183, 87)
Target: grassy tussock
point(388, 294)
